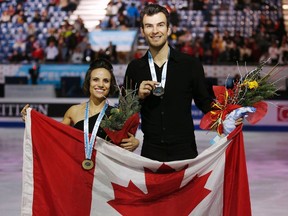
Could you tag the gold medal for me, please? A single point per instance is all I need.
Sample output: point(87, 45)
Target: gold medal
point(87, 164)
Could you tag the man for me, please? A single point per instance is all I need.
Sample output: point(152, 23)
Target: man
point(167, 81)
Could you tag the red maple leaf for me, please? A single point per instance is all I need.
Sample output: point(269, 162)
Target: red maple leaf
point(164, 197)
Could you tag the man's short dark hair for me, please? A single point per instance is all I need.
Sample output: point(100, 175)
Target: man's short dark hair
point(152, 9)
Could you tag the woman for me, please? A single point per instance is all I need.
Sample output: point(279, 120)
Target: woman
point(99, 83)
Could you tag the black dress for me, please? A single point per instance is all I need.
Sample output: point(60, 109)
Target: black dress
point(100, 133)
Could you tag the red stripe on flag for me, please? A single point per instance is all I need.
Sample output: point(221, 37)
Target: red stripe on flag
point(236, 199)
point(58, 157)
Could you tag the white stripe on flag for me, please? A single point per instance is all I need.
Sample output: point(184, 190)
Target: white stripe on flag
point(27, 182)
point(118, 166)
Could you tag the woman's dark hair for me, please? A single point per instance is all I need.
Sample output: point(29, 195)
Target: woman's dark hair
point(99, 63)
point(152, 9)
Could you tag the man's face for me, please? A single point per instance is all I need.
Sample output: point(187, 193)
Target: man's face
point(155, 30)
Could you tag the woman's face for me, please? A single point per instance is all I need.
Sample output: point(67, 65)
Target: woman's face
point(100, 82)
point(155, 30)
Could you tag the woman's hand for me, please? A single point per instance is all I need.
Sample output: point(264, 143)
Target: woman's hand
point(130, 143)
point(24, 112)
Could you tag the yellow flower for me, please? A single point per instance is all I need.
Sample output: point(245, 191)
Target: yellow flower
point(253, 84)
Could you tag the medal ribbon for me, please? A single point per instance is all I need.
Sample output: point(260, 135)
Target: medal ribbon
point(89, 144)
point(153, 71)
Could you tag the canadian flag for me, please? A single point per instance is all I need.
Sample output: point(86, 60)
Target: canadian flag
point(124, 183)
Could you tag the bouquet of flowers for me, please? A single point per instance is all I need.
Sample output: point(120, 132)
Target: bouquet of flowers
point(249, 91)
point(124, 118)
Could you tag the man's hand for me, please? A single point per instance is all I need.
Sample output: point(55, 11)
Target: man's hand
point(146, 87)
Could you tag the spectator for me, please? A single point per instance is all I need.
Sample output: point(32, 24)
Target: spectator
point(17, 56)
point(186, 36)
point(38, 53)
point(280, 30)
point(20, 40)
point(51, 52)
point(70, 39)
point(19, 7)
point(218, 46)
point(122, 21)
point(234, 53)
point(207, 8)
point(11, 10)
point(69, 6)
point(226, 35)
point(111, 53)
point(111, 9)
point(198, 50)
point(207, 38)
point(255, 51)
point(274, 52)
point(121, 6)
point(78, 37)
point(198, 4)
point(19, 18)
point(53, 3)
point(245, 53)
point(238, 38)
point(187, 48)
point(139, 53)
point(262, 38)
point(36, 17)
point(51, 36)
point(112, 22)
point(174, 37)
point(77, 56)
point(283, 52)
point(79, 26)
point(45, 16)
point(133, 15)
point(31, 29)
point(30, 46)
point(261, 22)
point(5, 17)
point(89, 54)
point(83, 44)
point(174, 16)
point(63, 55)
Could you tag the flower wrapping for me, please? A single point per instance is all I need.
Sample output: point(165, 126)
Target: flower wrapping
point(130, 125)
point(221, 108)
point(261, 110)
point(249, 91)
point(123, 118)
point(215, 118)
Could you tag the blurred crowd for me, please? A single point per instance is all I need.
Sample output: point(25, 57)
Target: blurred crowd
point(70, 44)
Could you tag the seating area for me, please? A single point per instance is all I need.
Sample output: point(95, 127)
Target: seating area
point(30, 17)
point(245, 21)
point(38, 17)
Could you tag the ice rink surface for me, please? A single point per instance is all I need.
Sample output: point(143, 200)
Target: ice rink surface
point(267, 164)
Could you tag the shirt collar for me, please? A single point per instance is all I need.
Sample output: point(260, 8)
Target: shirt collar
point(173, 56)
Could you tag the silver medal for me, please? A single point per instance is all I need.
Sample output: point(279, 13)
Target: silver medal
point(158, 91)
